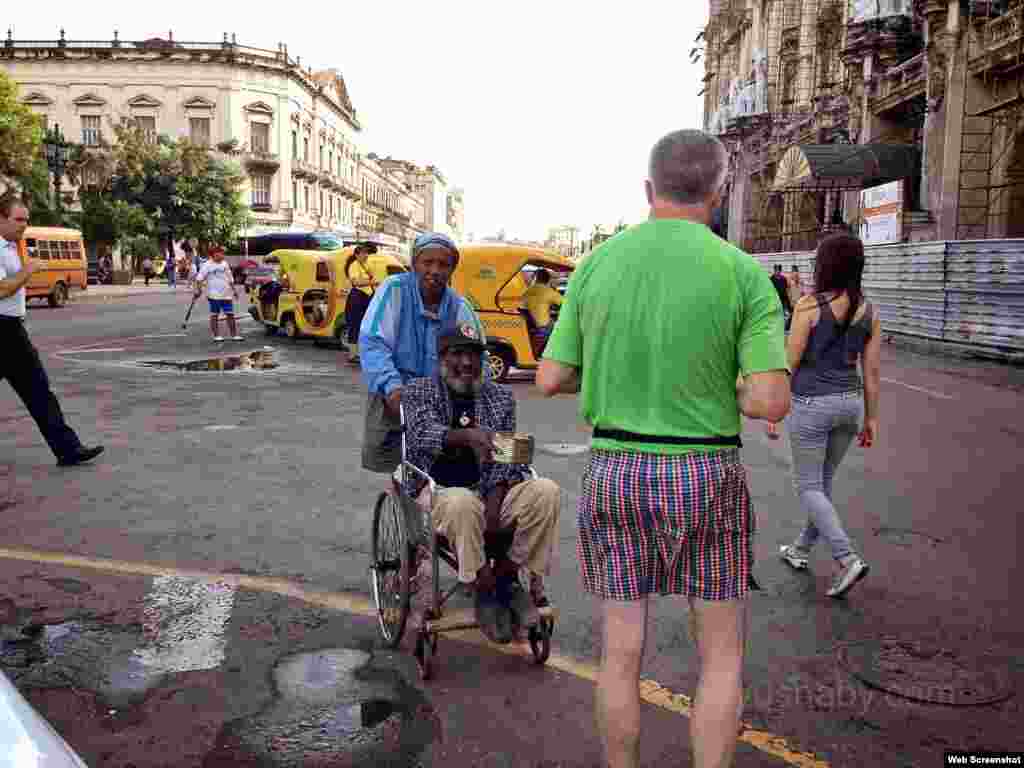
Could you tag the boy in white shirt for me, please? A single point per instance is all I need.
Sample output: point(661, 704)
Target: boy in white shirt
point(220, 290)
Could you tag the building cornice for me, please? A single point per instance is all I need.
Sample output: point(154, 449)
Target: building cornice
point(226, 52)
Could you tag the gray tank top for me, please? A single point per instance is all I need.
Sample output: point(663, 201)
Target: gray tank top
point(829, 364)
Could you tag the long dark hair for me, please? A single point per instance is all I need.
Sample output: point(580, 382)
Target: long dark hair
point(838, 268)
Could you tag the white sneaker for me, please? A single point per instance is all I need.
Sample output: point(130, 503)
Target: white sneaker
point(793, 557)
point(218, 338)
point(849, 576)
point(238, 338)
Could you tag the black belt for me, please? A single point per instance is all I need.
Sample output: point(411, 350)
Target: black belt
point(632, 437)
point(12, 318)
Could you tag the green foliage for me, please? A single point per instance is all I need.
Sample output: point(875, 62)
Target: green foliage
point(21, 132)
point(105, 220)
point(157, 190)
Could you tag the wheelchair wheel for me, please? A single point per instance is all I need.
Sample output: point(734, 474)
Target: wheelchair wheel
point(540, 640)
point(390, 569)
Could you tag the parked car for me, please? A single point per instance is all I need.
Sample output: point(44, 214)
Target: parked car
point(26, 739)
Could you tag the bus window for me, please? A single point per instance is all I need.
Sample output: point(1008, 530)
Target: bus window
point(32, 247)
point(42, 249)
point(327, 243)
point(322, 274)
point(65, 249)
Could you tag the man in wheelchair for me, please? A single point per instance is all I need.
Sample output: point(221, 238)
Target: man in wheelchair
point(451, 420)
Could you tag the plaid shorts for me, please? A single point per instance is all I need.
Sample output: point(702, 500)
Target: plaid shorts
point(655, 524)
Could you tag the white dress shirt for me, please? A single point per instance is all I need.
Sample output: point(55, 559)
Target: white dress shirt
point(10, 265)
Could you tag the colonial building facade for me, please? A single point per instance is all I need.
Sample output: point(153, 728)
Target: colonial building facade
point(295, 131)
point(819, 100)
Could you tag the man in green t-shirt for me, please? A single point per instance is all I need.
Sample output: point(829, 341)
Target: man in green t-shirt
point(669, 333)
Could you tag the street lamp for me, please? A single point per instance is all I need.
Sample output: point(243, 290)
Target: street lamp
point(56, 160)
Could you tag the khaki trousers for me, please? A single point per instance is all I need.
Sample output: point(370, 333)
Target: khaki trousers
point(533, 505)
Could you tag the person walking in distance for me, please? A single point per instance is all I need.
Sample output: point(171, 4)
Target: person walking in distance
point(20, 363)
point(171, 268)
point(833, 329)
point(669, 334)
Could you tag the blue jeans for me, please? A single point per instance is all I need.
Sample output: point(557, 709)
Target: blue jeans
point(821, 430)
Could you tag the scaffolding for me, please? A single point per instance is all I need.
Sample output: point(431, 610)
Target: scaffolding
point(990, 196)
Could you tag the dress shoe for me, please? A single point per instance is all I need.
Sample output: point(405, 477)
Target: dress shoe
point(81, 456)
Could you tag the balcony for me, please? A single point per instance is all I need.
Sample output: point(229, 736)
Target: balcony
point(999, 40)
point(303, 169)
point(899, 84)
point(350, 189)
point(326, 178)
point(260, 203)
point(261, 158)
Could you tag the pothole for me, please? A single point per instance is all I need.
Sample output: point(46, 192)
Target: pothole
point(907, 537)
point(336, 706)
point(927, 672)
point(260, 360)
point(565, 449)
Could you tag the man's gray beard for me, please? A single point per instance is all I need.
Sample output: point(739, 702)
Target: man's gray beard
point(459, 387)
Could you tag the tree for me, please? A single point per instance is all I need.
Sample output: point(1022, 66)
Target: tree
point(21, 133)
point(210, 206)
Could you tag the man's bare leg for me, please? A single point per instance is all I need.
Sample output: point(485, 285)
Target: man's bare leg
point(721, 638)
point(618, 682)
point(214, 327)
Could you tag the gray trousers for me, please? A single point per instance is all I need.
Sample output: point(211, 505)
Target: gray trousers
point(821, 430)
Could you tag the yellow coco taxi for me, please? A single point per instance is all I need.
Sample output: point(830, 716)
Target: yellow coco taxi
point(493, 278)
point(308, 298)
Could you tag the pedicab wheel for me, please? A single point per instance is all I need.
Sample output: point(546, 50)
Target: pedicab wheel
point(291, 328)
point(540, 640)
point(389, 572)
point(426, 654)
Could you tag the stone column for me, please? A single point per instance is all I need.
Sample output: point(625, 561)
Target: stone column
point(952, 42)
point(808, 43)
point(739, 201)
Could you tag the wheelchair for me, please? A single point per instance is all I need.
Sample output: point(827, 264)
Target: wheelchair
point(401, 531)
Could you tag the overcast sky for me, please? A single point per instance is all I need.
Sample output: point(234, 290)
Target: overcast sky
point(543, 111)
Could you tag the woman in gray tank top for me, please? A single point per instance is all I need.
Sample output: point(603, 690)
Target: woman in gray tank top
point(832, 330)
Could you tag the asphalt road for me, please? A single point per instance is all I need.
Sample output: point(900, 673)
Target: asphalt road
point(257, 474)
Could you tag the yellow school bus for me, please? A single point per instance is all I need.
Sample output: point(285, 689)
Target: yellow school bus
point(64, 265)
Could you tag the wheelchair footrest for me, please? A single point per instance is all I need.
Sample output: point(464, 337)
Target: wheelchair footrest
point(463, 619)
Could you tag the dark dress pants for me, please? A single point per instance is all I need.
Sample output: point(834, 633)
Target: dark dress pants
point(355, 310)
point(21, 366)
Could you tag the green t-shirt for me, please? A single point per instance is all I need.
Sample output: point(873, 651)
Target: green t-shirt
point(659, 320)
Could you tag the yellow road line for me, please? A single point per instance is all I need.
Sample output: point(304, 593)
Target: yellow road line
point(650, 691)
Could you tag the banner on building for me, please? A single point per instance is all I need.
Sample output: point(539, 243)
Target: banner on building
point(862, 10)
point(882, 214)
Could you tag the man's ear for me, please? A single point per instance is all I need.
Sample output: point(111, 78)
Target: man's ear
point(649, 191)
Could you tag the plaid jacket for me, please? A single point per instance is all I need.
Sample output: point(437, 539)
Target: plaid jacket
point(428, 418)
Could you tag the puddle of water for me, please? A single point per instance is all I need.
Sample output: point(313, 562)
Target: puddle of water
point(320, 678)
point(260, 360)
point(367, 714)
point(54, 634)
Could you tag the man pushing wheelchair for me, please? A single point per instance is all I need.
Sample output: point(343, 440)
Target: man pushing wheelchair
point(451, 421)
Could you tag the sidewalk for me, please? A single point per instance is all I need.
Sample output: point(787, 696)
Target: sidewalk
point(137, 288)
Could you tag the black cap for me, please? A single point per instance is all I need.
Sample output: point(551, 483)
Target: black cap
point(458, 338)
